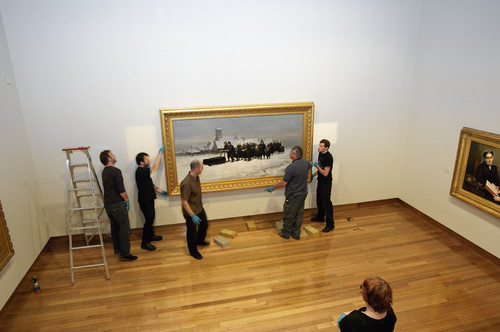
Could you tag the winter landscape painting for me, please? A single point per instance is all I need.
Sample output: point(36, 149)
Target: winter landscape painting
point(241, 147)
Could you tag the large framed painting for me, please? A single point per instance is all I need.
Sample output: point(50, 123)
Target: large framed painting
point(475, 179)
point(241, 147)
point(6, 248)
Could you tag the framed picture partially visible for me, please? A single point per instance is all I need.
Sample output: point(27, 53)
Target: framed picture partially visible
point(6, 248)
point(475, 179)
point(241, 147)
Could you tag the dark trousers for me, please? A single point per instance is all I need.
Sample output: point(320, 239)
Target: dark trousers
point(120, 227)
point(148, 210)
point(195, 236)
point(324, 202)
point(293, 214)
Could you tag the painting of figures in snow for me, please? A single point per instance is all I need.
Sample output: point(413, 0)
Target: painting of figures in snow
point(241, 147)
point(237, 147)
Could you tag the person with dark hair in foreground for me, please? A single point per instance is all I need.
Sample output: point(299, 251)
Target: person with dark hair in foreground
point(147, 195)
point(192, 209)
point(377, 315)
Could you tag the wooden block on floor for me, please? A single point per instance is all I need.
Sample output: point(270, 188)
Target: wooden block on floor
point(303, 234)
point(311, 231)
point(251, 225)
point(221, 241)
point(279, 225)
point(228, 233)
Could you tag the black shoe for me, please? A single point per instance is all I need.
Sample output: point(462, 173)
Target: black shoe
point(117, 252)
point(296, 237)
point(327, 229)
point(129, 257)
point(148, 246)
point(317, 219)
point(283, 235)
point(197, 256)
point(204, 243)
point(157, 238)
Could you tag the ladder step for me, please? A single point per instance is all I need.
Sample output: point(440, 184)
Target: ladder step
point(82, 180)
point(83, 227)
point(78, 189)
point(85, 195)
point(78, 165)
point(86, 247)
point(88, 221)
point(86, 208)
point(84, 266)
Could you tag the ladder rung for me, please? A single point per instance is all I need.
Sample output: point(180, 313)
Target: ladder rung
point(86, 247)
point(84, 227)
point(87, 221)
point(77, 189)
point(78, 165)
point(86, 208)
point(78, 181)
point(84, 266)
point(89, 194)
point(84, 195)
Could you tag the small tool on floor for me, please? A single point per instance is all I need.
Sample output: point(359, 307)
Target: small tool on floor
point(36, 287)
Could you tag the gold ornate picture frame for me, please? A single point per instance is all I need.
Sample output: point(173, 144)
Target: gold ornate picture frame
point(200, 133)
point(465, 185)
point(6, 247)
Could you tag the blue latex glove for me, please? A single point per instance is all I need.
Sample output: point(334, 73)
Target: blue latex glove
point(164, 193)
point(340, 318)
point(269, 189)
point(195, 219)
point(127, 205)
point(312, 164)
point(162, 149)
point(315, 164)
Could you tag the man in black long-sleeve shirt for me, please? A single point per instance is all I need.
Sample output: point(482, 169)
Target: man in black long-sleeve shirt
point(117, 205)
point(147, 195)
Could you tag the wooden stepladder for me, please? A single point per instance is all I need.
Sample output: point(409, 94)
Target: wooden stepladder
point(85, 206)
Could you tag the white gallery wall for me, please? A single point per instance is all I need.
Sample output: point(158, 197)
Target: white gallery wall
point(457, 85)
point(19, 190)
point(390, 80)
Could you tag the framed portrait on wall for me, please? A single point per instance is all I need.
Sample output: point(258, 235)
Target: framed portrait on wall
point(6, 247)
point(475, 179)
point(241, 147)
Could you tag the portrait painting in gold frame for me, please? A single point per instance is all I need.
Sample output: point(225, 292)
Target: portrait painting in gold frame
point(242, 147)
point(469, 182)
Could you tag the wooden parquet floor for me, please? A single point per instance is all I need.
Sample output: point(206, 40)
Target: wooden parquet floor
point(265, 283)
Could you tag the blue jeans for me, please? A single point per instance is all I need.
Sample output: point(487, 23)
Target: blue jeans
point(293, 214)
point(120, 227)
